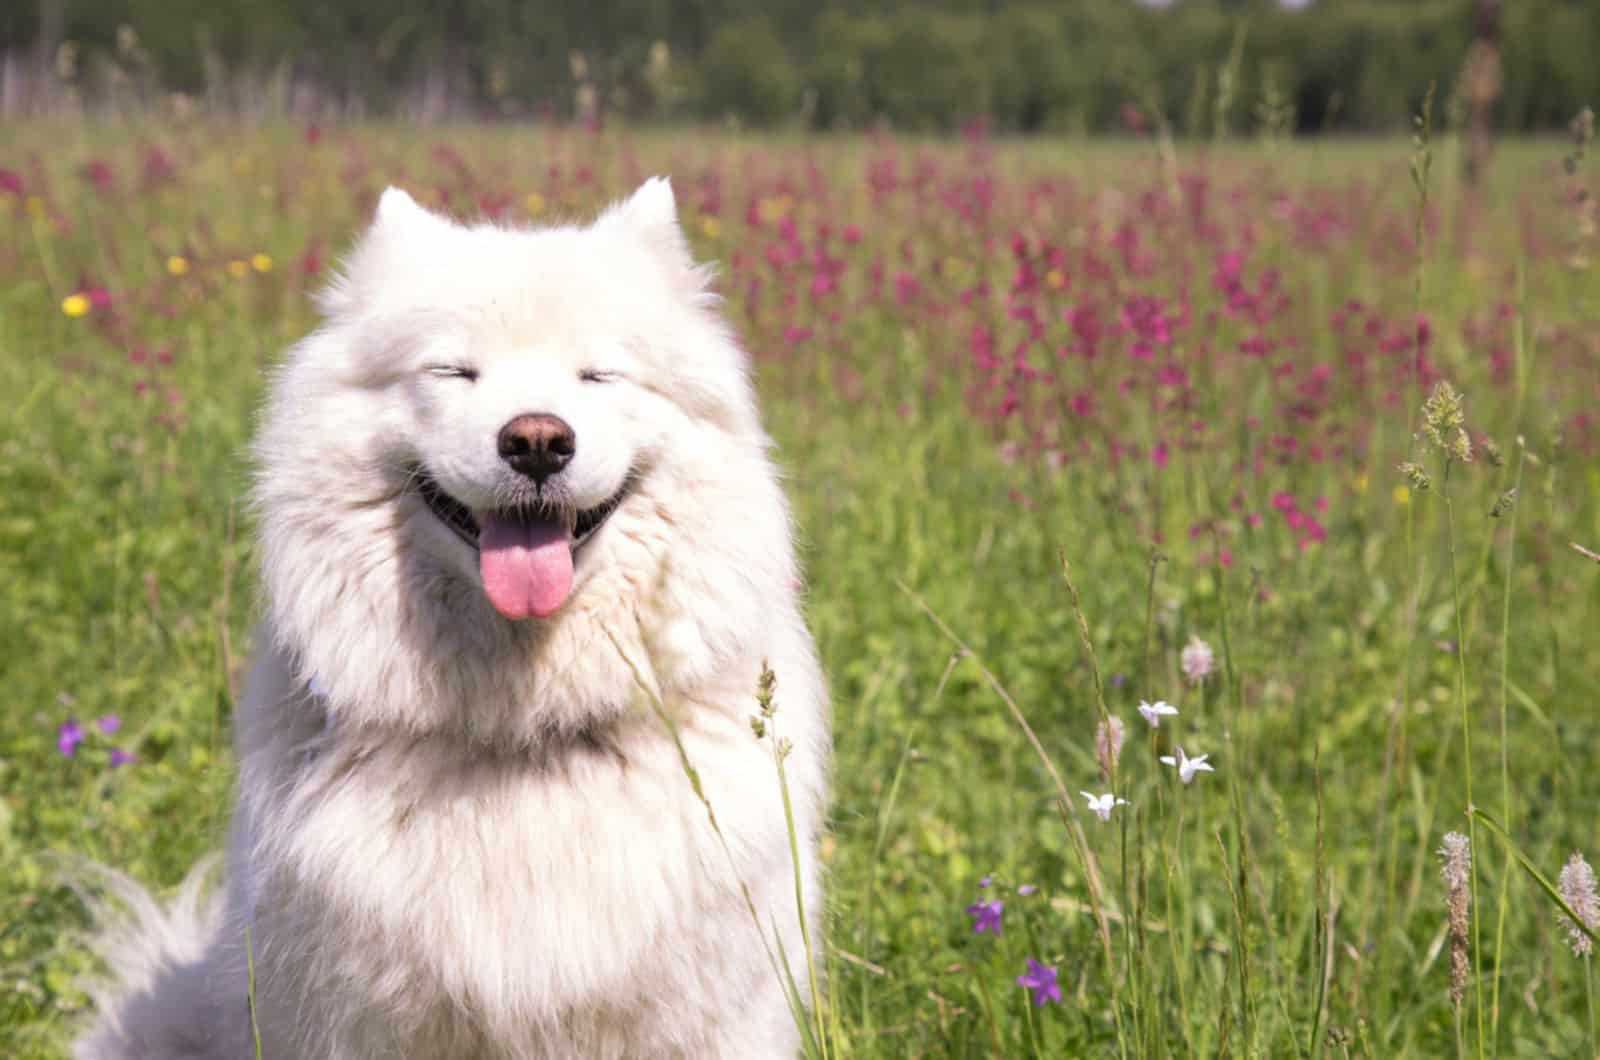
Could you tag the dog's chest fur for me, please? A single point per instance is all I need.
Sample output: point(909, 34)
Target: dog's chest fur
point(526, 889)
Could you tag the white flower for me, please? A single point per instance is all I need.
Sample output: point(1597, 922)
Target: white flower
point(1154, 712)
point(1187, 767)
point(1102, 805)
point(1197, 660)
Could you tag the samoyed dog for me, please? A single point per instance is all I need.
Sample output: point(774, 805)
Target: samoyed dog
point(524, 555)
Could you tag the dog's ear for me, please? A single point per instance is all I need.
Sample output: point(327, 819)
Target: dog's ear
point(398, 210)
point(397, 207)
point(652, 214)
point(398, 221)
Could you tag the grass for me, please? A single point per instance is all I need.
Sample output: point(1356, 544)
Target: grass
point(1287, 904)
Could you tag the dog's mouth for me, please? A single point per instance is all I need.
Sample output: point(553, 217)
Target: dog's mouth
point(525, 555)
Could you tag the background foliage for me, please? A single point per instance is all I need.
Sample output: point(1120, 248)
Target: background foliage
point(1079, 65)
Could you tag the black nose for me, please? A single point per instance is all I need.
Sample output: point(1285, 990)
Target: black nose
point(537, 445)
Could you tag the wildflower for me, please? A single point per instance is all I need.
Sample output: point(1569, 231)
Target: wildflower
point(75, 305)
point(766, 685)
point(1444, 422)
point(1456, 855)
point(984, 881)
point(1504, 503)
point(119, 757)
point(711, 227)
point(1402, 495)
point(986, 916)
point(1108, 737)
point(261, 262)
point(1041, 979)
point(1026, 889)
point(1577, 886)
point(68, 737)
point(238, 269)
point(1102, 805)
point(1415, 475)
point(1187, 767)
point(109, 724)
point(1154, 712)
point(534, 203)
point(177, 265)
point(1197, 660)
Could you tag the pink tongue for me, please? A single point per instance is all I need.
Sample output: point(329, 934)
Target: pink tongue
point(526, 564)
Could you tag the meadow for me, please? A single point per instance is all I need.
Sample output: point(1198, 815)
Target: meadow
point(1069, 427)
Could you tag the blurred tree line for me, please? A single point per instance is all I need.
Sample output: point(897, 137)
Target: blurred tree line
point(1198, 66)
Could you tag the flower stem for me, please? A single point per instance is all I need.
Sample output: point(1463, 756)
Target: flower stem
point(1588, 990)
point(1466, 750)
point(1505, 767)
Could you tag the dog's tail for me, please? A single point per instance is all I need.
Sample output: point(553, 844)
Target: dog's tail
point(158, 1001)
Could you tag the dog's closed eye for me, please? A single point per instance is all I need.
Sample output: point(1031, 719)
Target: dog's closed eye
point(599, 375)
point(453, 371)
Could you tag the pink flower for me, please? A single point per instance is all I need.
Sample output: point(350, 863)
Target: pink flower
point(1197, 660)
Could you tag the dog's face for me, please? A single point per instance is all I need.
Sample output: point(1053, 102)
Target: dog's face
point(520, 387)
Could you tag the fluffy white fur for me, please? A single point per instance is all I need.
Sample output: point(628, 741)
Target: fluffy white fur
point(463, 836)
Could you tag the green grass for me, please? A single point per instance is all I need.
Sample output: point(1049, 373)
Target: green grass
point(1286, 905)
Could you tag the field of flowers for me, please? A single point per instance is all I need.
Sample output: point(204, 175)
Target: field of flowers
point(1250, 484)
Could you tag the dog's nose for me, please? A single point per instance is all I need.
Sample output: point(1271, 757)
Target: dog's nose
point(537, 445)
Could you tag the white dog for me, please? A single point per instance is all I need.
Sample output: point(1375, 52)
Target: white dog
point(524, 555)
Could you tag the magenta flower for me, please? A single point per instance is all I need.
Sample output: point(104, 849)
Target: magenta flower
point(109, 724)
point(68, 737)
point(986, 916)
point(119, 757)
point(1041, 979)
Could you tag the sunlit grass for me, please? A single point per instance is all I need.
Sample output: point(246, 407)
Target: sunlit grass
point(1209, 916)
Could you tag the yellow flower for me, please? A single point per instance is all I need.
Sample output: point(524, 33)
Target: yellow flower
point(75, 305)
point(177, 265)
point(1402, 494)
point(534, 203)
point(775, 209)
point(238, 269)
point(1360, 482)
point(35, 206)
point(711, 226)
point(1055, 280)
point(261, 262)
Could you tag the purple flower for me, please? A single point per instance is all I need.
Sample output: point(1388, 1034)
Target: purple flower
point(1041, 979)
point(1026, 889)
point(119, 757)
point(109, 724)
point(68, 737)
point(984, 881)
point(986, 916)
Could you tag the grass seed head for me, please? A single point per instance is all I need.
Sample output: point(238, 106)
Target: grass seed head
point(1577, 886)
